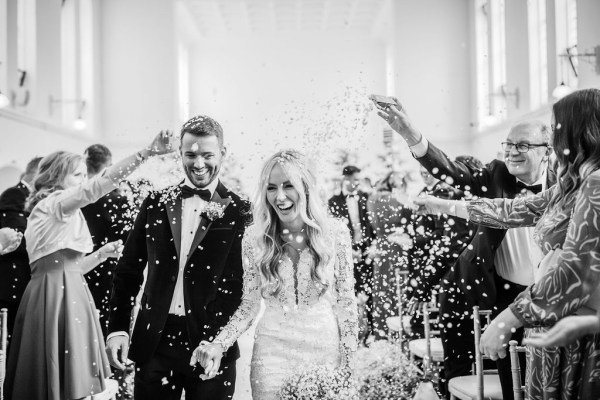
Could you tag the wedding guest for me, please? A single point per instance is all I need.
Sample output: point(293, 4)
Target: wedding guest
point(57, 350)
point(498, 264)
point(299, 260)
point(350, 204)
point(107, 221)
point(14, 267)
point(390, 218)
point(567, 281)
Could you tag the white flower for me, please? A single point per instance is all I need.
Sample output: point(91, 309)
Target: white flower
point(214, 210)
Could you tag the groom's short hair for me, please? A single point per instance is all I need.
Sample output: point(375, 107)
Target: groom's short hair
point(202, 125)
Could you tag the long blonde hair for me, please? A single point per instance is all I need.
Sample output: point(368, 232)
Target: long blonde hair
point(312, 211)
point(53, 170)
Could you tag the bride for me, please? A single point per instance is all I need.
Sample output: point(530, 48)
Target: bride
point(299, 260)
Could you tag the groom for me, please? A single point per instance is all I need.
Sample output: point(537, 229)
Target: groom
point(188, 239)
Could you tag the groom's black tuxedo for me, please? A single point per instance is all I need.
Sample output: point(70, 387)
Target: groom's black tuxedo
point(212, 280)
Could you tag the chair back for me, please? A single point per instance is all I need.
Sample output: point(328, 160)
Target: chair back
point(4, 334)
point(429, 332)
point(400, 275)
point(515, 367)
point(3, 347)
point(477, 313)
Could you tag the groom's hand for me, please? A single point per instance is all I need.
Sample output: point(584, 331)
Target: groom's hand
point(209, 356)
point(114, 346)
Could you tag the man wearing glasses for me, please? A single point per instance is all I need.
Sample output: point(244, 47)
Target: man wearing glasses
point(498, 264)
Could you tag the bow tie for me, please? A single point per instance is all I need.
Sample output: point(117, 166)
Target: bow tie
point(187, 192)
point(533, 188)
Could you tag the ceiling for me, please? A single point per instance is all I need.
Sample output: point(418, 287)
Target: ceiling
point(227, 17)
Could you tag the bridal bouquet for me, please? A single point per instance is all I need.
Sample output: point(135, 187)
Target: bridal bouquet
point(383, 372)
point(319, 382)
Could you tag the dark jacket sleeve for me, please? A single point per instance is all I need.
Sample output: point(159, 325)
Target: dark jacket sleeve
point(457, 174)
point(129, 274)
point(229, 290)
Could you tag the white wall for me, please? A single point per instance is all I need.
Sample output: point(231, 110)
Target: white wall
point(138, 71)
point(433, 69)
point(297, 90)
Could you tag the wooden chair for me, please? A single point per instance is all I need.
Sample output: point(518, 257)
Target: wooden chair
point(430, 348)
point(3, 348)
point(479, 386)
point(515, 367)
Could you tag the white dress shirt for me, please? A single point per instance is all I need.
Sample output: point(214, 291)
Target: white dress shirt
point(191, 214)
point(519, 255)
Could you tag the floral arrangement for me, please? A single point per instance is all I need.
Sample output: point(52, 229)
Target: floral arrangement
point(214, 210)
point(319, 382)
point(384, 372)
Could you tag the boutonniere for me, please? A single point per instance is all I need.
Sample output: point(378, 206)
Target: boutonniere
point(214, 210)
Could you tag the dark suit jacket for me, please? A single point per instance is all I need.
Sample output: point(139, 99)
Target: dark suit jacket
point(212, 280)
point(339, 209)
point(437, 242)
point(474, 271)
point(107, 221)
point(14, 266)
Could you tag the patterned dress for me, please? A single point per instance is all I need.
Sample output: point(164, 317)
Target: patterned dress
point(300, 326)
point(567, 283)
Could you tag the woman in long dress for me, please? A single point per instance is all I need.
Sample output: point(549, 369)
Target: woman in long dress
point(57, 349)
point(299, 260)
point(567, 228)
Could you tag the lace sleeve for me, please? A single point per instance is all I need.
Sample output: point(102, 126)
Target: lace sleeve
point(509, 213)
point(346, 309)
point(249, 308)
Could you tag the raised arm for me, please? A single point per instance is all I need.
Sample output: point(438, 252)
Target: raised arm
point(568, 285)
point(346, 309)
point(72, 199)
point(454, 173)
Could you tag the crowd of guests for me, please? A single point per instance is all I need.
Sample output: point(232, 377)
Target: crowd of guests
point(534, 259)
point(518, 236)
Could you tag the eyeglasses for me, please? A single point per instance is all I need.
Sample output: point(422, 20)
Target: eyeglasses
point(521, 147)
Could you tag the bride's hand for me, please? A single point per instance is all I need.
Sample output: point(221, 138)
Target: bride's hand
point(209, 356)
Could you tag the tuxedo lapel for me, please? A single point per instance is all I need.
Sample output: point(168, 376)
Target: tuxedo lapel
point(174, 210)
point(205, 223)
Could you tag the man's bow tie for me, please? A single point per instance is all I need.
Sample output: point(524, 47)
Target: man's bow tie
point(187, 191)
point(534, 188)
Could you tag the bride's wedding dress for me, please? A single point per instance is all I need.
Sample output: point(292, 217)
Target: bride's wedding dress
point(300, 327)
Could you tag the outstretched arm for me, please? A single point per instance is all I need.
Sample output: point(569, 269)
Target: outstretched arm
point(494, 213)
point(73, 199)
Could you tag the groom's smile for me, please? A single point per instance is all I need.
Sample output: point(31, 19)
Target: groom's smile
point(201, 157)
